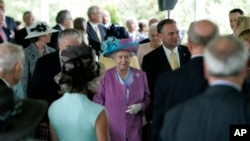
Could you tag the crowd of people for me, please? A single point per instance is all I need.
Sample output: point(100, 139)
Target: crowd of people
point(98, 81)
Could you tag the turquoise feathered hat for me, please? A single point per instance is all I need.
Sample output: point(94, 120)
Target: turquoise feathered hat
point(112, 44)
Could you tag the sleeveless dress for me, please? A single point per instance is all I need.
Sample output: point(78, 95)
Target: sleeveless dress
point(73, 116)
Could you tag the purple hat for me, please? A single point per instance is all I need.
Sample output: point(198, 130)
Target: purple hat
point(113, 44)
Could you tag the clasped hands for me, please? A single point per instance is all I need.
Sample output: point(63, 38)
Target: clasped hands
point(134, 109)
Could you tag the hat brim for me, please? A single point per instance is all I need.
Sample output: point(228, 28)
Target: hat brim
point(23, 123)
point(132, 47)
point(37, 34)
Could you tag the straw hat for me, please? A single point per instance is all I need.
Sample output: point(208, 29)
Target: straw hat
point(39, 29)
point(18, 117)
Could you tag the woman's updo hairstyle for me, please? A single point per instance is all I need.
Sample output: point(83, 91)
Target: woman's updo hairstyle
point(79, 70)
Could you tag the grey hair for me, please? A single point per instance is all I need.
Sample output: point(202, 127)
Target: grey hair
point(132, 19)
point(151, 28)
point(91, 10)
point(225, 61)
point(71, 33)
point(62, 15)
point(10, 54)
point(199, 39)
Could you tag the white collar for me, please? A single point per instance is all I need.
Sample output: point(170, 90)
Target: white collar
point(5, 82)
point(93, 24)
point(61, 26)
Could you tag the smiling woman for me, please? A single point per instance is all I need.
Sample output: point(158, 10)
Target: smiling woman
point(123, 91)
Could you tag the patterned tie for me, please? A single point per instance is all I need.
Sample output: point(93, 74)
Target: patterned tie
point(173, 61)
point(98, 33)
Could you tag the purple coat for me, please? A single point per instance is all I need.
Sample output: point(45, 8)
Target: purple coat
point(111, 94)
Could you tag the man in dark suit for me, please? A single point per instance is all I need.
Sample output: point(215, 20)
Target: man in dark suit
point(28, 19)
point(5, 33)
point(11, 64)
point(160, 59)
point(177, 86)
point(208, 116)
point(9, 22)
point(64, 21)
point(95, 30)
point(43, 85)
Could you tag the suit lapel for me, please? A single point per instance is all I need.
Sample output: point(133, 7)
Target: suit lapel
point(164, 57)
point(182, 55)
point(101, 31)
point(2, 83)
point(91, 32)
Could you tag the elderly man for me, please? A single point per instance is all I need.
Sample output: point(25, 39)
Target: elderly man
point(208, 117)
point(63, 21)
point(11, 64)
point(28, 19)
point(186, 82)
point(95, 30)
point(43, 85)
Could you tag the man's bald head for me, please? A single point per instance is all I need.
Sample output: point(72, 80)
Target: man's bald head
point(201, 32)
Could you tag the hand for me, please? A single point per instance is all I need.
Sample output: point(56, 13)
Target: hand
point(134, 109)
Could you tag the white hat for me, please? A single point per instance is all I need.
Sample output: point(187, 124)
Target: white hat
point(38, 29)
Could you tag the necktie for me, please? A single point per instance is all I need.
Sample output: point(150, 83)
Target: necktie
point(173, 61)
point(4, 24)
point(2, 35)
point(98, 33)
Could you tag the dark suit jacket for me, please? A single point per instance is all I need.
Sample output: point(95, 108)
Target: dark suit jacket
point(144, 41)
point(19, 38)
point(10, 23)
point(54, 38)
point(93, 38)
point(208, 116)
point(175, 87)
point(43, 85)
point(155, 63)
point(8, 35)
point(2, 83)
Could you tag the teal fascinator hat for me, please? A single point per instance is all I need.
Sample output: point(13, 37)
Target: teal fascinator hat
point(112, 45)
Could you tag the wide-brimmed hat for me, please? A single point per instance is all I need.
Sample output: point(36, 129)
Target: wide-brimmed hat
point(113, 44)
point(38, 29)
point(18, 117)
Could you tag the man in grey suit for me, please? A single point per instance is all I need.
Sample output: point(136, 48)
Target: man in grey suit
point(208, 117)
point(177, 86)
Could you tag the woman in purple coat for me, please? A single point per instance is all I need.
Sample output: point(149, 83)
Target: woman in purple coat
point(123, 91)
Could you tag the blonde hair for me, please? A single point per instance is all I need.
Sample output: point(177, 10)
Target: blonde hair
point(243, 23)
point(245, 35)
